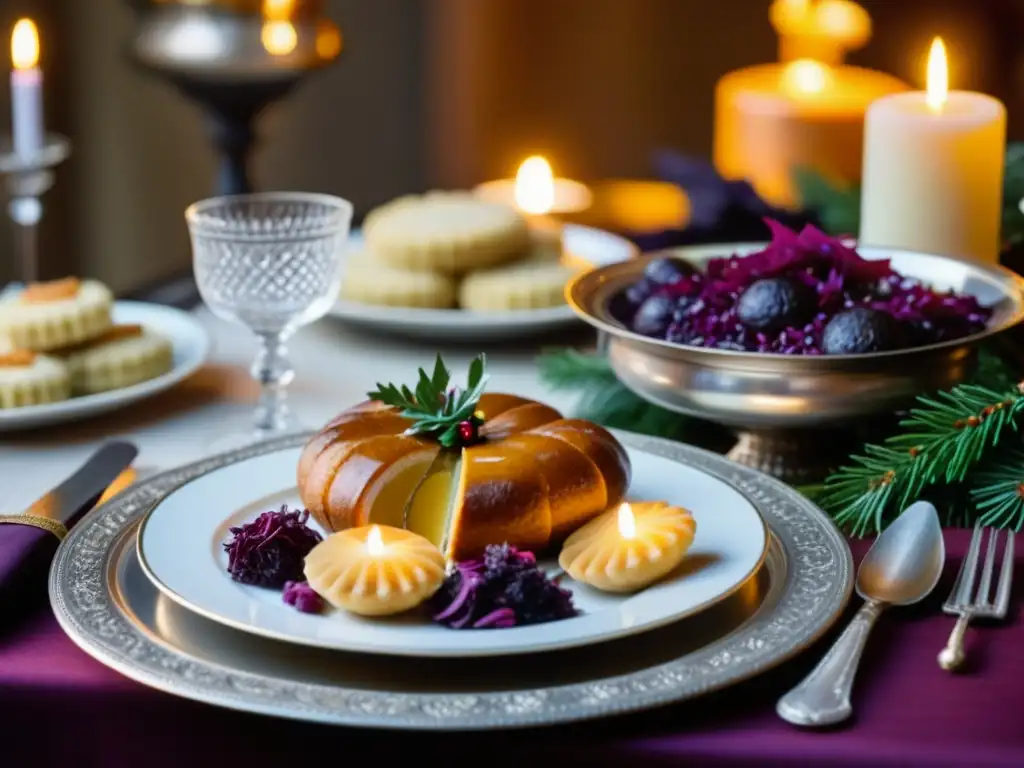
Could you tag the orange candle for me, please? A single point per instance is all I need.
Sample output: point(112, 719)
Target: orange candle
point(775, 118)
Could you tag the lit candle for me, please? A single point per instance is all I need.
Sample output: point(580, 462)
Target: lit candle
point(774, 118)
point(375, 570)
point(539, 196)
point(630, 547)
point(26, 90)
point(278, 35)
point(824, 30)
point(933, 169)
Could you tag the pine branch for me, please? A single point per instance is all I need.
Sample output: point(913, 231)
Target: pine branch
point(997, 489)
point(603, 399)
point(947, 435)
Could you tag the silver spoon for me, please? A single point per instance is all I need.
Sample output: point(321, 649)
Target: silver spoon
point(901, 568)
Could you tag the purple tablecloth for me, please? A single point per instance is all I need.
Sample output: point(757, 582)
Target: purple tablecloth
point(57, 705)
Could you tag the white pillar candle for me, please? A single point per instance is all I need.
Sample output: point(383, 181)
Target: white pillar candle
point(26, 90)
point(933, 170)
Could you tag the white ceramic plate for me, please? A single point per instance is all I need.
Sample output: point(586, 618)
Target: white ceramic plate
point(191, 346)
point(180, 546)
point(594, 247)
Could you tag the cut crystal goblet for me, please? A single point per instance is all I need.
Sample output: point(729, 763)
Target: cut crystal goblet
point(272, 262)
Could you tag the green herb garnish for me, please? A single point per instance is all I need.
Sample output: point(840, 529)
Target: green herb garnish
point(444, 413)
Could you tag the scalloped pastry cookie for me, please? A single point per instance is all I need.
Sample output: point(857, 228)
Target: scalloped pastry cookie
point(47, 316)
point(368, 281)
point(535, 283)
point(449, 232)
point(408, 571)
point(122, 356)
point(28, 378)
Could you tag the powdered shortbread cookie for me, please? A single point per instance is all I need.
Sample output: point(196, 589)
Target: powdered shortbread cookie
point(47, 316)
point(449, 232)
point(122, 356)
point(368, 281)
point(535, 283)
point(28, 378)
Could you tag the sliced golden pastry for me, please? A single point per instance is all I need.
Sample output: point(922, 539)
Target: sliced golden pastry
point(448, 232)
point(371, 281)
point(374, 571)
point(464, 470)
point(47, 316)
point(121, 356)
point(29, 378)
point(534, 283)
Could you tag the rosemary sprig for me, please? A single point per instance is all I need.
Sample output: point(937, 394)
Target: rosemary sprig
point(436, 409)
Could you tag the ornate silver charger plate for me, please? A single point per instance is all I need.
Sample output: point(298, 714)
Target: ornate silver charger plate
point(110, 609)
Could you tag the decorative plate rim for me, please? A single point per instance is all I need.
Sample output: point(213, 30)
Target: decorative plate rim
point(817, 584)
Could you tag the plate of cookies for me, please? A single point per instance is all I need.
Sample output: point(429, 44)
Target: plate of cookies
point(68, 351)
point(447, 266)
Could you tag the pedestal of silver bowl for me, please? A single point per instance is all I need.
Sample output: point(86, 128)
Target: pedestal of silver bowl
point(792, 413)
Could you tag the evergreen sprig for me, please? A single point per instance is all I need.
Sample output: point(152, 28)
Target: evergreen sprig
point(942, 442)
point(997, 492)
point(436, 409)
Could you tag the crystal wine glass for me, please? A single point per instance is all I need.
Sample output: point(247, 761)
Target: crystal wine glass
point(272, 262)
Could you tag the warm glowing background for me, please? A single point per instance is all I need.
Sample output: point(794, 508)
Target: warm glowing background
point(438, 93)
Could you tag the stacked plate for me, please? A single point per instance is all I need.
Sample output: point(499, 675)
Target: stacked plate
point(141, 584)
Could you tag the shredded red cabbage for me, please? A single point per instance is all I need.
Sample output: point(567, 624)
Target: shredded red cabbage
point(303, 597)
point(270, 550)
point(700, 309)
point(504, 588)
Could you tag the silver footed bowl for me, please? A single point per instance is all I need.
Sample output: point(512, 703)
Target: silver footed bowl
point(779, 404)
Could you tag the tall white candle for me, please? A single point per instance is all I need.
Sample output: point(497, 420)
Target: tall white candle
point(933, 169)
point(26, 90)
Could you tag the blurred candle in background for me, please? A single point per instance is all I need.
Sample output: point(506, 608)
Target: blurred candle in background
point(804, 112)
point(933, 169)
point(278, 35)
point(536, 191)
point(774, 118)
point(823, 30)
point(26, 90)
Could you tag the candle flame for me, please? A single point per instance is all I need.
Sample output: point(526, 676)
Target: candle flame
point(535, 186)
point(278, 10)
point(25, 44)
point(328, 40)
point(938, 75)
point(805, 76)
point(279, 38)
point(627, 521)
point(374, 542)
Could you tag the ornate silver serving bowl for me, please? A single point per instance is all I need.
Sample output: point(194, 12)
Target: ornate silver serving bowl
point(780, 404)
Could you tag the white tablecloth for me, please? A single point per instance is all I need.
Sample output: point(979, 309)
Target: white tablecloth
point(335, 367)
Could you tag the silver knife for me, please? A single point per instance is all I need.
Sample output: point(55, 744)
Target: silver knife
point(84, 488)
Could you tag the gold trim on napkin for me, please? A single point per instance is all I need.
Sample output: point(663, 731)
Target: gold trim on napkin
point(55, 527)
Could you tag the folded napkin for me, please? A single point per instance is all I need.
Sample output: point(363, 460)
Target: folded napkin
point(26, 549)
point(27, 546)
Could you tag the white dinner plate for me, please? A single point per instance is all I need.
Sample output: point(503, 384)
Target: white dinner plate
point(586, 245)
point(180, 547)
point(191, 346)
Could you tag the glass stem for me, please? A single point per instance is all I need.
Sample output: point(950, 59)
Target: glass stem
point(274, 373)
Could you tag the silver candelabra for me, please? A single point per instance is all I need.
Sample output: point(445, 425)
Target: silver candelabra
point(27, 178)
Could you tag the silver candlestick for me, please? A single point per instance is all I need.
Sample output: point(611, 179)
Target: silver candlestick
point(28, 178)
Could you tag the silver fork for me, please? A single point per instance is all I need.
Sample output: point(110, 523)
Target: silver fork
point(967, 604)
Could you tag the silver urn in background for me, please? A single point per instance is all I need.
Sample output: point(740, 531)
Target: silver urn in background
point(233, 58)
